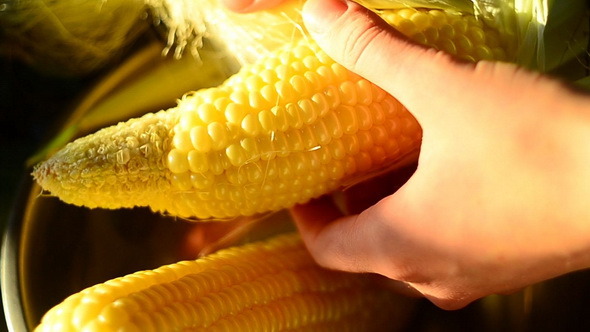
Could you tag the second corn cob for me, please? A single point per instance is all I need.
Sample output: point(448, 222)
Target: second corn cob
point(290, 127)
point(266, 286)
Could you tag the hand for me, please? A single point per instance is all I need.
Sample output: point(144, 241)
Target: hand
point(244, 6)
point(498, 200)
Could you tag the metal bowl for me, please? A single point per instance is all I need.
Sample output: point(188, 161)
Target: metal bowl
point(52, 250)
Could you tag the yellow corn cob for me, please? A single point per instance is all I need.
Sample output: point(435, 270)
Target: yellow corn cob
point(290, 127)
point(271, 285)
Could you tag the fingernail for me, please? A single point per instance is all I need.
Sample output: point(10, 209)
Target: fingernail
point(318, 15)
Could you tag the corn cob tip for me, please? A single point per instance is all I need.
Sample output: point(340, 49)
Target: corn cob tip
point(102, 169)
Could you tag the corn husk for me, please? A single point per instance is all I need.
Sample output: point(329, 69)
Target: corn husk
point(69, 37)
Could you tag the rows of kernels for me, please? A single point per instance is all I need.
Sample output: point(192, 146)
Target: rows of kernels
point(461, 35)
point(260, 157)
point(270, 284)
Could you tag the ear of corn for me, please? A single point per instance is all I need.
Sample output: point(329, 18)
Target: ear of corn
point(290, 127)
point(266, 286)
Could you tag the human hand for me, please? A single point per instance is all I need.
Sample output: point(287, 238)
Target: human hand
point(498, 199)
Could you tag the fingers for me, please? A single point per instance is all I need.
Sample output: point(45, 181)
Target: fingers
point(365, 44)
point(246, 6)
point(350, 243)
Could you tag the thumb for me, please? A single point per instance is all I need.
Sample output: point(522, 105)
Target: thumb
point(365, 44)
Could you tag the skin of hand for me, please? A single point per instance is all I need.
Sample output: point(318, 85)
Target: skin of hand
point(498, 200)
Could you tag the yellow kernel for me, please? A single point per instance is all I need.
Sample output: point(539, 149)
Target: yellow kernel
point(420, 38)
point(460, 26)
point(320, 104)
point(323, 156)
point(321, 132)
point(468, 58)
point(463, 44)
point(256, 100)
point(250, 125)
point(483, 53)
point(272, 62)
point(379, 134)
point(365, 140)
point(308, 111)
point(363, 161)
point(476, 35)
point(406, 12)
point(189, 120)
point(266, 146)
point(294, 140)
point(391, 147)
point(333, 124)
point(236, 154)
point(294, 116)
point(239, 96)
point(351, 144)
point(332, 96)
point(364, 92)
point(284, 72)
point(378, 93)
point(219, 135)
point(250, 147)
point(182, 141)
point(431, 35)
point(391, 107)
point(307, 138)
point(323, 57)
point(311, 62)
point(234, 113)
point(284, 168)
point(198, 162)
point(270, 95)
point(326, 74)
point(336, 170)
point(280, 144)
point(314, 80)
point(364, 116)
point(406, 27)
point(218, 163)
point(378, 155)
point(200, 139)
point(253, 173)
point(300, 85)
point(377, 113)
point(182, 181)
point(285, 91)
point(177, 161)
point(254, 82)
point(221, 192)
point(447, 31)
point(267, 120)
point(348, 119)
point(348, 94)
point(340, 73)
point(393, 128)
point(438, 18)
point(235, 176)
point(448, 46)
point(349, 165)
point(281, 119)
point(337, 149)
point(268, 76)
point(220, 104)
point(420, 19)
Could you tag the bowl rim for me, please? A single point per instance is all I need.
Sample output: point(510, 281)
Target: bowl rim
point(10, 281)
